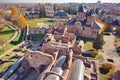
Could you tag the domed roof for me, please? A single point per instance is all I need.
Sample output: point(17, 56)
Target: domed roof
point(61, 13)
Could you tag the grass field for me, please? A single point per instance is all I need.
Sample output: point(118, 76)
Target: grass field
point(2, 51)
point(33, 22)
point(4, 66)
point(12, 56)
point(88, 46)
point(105, 76)
point(87, 43)
point(99, 57)
point(37, 37)
point(18, 39)
point(108, 75)
point(5, 34)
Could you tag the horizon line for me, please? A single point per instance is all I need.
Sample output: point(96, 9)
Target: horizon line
point(52, 2)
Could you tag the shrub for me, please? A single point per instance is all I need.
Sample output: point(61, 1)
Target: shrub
point(106, 67)
point(94, 53)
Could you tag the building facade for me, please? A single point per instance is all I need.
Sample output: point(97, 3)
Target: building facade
point(86, 24)
point(49, 10)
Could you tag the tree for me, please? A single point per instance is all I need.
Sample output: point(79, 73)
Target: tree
point(69, 10)
point(108, 28)
point(98, 42)
point(14, 11)
point(42, 11)
point(94, 53)
point(107, 66)
point(22, 22)
point(54, 8)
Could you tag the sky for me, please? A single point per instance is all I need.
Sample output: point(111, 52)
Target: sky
point(57, 1)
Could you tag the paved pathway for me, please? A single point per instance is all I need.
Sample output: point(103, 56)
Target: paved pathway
point(110, 51)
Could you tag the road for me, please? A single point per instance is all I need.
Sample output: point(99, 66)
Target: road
point(110, 51)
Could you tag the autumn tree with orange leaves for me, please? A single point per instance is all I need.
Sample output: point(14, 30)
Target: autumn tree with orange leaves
point(22, 22)
point(14, 11)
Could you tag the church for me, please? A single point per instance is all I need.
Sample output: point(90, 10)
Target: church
point(86, 24)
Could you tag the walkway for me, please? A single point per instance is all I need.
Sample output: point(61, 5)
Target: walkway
point(110, 51)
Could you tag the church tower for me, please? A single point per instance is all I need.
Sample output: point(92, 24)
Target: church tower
point(81, 15)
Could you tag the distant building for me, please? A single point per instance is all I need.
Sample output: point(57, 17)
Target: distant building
point(49, 10)
point(116, 25)
point(32, 13)
point(42, 29)
point(61, 15)
point(98, 2)
point(85, 24)
point(37, 31)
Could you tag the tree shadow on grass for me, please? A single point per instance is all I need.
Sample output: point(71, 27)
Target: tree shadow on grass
point(49, 21)
point(6, 32)
point(103, 71)
point(13, 57)
point(19, 40)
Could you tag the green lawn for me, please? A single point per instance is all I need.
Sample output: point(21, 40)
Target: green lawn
point(87, 43)
point(37, 37)
point(108, 75)
point(12, 56)
point(99, 57)
point(6, 48)
point(4, 66)
point(33, 22)
point(105, 76)
point(5, 34)
point(18, 39)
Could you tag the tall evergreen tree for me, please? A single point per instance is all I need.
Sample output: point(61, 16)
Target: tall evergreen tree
point(98, 42)
point(42, 11)
point(69, 10)
point(54, 8)
point(108, 28)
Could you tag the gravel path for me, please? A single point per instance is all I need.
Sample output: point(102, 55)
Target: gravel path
point(110, 51)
